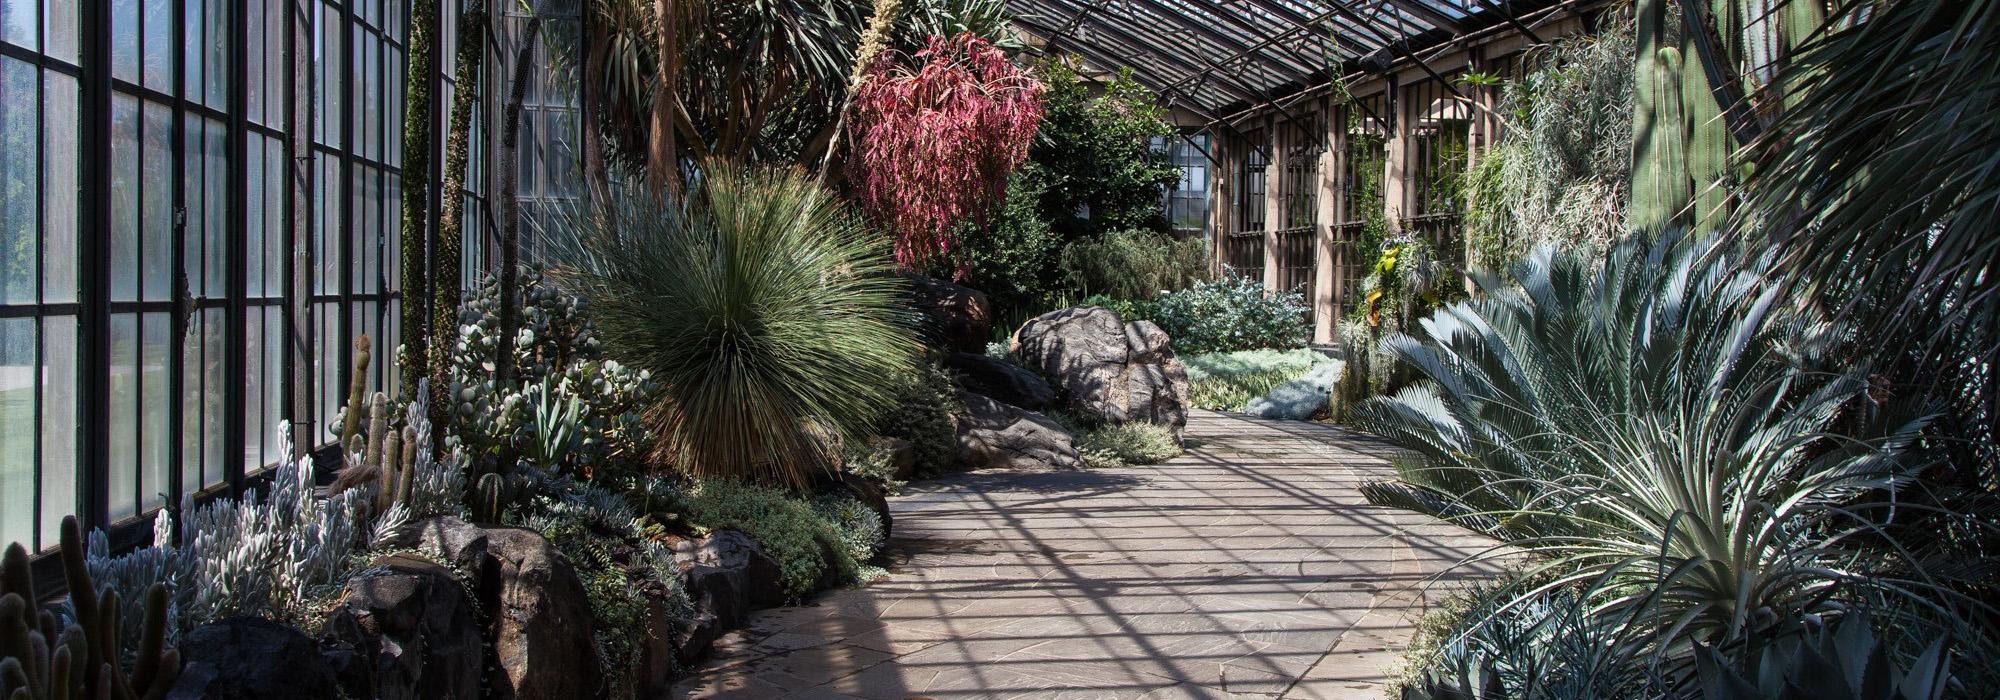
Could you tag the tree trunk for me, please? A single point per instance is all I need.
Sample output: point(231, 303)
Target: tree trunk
point(451, 213)
point(663, 159)
point(416, 187)
point(510, 205)
point(590, 103)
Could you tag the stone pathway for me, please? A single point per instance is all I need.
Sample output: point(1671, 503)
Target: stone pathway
point(1249, 567)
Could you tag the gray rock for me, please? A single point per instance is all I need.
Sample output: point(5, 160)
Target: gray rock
point(1300, 398)
point(540, 616)
point(718, 606)
point(955, 317)
point(406, 629)
point(756, 576)
point(994, 435)
point(1107, 370)
point(1000, 380)
point(249, 659)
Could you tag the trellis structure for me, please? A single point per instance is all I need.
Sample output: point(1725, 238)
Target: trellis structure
point(1332, 123)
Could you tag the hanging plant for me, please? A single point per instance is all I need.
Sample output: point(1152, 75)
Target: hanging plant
point(935, 138)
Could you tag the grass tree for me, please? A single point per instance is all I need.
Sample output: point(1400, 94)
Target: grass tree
point(761, 306)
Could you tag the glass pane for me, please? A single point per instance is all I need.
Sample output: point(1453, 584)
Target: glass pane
point(60, 33)
point(124, 198)
point(215, 222)
point(59, 194)
point(154, 402)
point(193, 204)
point(204, 361)
point(59, 425)
point(20, 142)
point(158, 25)
point(191, 51)
point(124, 39)
point(156, 202)
point(17, 447)
point(217, 50)
point(124, 409)
point(18, 26)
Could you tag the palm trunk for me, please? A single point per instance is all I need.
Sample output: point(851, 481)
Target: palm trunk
point(416, 187)
point(451, 213)
point(510, 223)
point(590, 103)
point(663, 159)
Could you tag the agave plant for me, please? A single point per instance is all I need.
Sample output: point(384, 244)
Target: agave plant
point(1657, 429)
point(760, 306)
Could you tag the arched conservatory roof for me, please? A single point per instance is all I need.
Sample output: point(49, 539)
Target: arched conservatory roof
point(1217, 58)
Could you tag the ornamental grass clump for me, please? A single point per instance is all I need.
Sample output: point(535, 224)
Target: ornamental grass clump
point(760, 307)
point(935, 137)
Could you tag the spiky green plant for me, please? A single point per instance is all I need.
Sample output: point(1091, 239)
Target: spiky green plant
point(1662, 431)
point(759, 305)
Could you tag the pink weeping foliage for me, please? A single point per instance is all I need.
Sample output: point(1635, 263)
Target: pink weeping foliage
point(935, 139)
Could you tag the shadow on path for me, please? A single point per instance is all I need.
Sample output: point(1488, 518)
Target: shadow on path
point(1249, 567)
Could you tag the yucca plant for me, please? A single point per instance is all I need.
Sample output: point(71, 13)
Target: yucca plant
point(1657, 429)
point(758, 306)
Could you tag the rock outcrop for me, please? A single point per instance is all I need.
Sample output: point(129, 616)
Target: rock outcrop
point(1107, 370)
point(250, 659)
point(956, 318)
point(539, 615)
point(994, 435)
point(1000, 380)
point(405, 628)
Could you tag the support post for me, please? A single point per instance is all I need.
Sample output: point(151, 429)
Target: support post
point(1221, 183)
point(1274, 171)
point(1395, 189)
point(1326, 271)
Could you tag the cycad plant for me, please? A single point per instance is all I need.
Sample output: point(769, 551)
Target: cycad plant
point(760, 305)
point(1657, 429)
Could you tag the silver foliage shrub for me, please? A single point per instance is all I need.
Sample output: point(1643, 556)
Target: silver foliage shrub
point(267, 554)
point(558, 364)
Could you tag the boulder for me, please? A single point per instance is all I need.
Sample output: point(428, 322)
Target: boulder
point(1299, 399)
point(1000, 380)
point(994, 435)
point(955, 317)
point(540, 621)
point(249, 659)
point(756, 576)
point(718, 606)
point(405, 628)
point(1107, 370)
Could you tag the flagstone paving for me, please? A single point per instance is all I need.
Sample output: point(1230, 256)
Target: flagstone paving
point(1249, 567)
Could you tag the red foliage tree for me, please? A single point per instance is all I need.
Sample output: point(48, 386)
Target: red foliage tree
point(936, 137)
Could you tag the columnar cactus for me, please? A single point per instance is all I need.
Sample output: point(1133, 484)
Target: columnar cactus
point(40, 660)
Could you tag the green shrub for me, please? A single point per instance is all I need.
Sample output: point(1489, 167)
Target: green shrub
point(1121, 444)
point(874, 461)
point(1128, 309)
point(857, 527)
point(761, 306)
point(1689, 459)
point(1231, 314)
point(926, 414)
point(788, 528)
point(1227, 381)
point(1014, 261)
point(1133, 264)
point(1095, 148)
